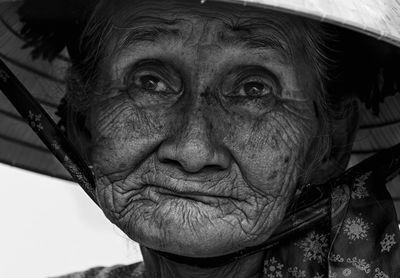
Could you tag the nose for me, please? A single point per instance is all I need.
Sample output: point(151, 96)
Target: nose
point(194, 148)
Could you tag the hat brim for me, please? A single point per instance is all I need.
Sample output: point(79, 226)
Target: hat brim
point(20, 147)
point(380, 20)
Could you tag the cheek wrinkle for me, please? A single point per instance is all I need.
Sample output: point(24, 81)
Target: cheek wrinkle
point(286, 160)
point(273, 175)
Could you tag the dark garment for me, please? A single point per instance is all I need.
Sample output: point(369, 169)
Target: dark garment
point(360, 238)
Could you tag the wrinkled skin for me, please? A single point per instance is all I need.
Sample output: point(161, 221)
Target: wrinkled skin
point(199, 143)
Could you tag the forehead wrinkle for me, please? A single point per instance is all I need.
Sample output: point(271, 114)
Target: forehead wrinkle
point(147, 28)
point(234, 29)
point(259, 34)
point(158, 29)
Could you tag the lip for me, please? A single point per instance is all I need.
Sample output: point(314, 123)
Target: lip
point(188, 189)
point(194, 196)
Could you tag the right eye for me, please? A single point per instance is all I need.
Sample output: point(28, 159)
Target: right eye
point(151, 83)
point(155, 77)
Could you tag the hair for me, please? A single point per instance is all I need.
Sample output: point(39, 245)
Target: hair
point(83, 79)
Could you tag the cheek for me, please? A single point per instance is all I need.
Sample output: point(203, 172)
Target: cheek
point(270, 151)
point(123, 134)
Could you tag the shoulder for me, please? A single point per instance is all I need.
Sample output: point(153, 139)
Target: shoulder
point(117, 271)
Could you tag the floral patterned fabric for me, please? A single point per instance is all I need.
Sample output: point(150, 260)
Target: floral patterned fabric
point(364, 232)
point(361, 239)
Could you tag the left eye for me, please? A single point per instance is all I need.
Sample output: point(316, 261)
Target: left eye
point(253, 89)
point(151, 83)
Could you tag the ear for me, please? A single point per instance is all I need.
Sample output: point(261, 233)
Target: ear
point(344, 129)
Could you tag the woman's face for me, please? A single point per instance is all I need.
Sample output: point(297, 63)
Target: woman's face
point(200, 138)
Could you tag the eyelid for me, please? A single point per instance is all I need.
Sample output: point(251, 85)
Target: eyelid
point(146, 73)
point(256, 73)
point(253, 79)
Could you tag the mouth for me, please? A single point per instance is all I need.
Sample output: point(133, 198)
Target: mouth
point(191, 196)
point(191, 190)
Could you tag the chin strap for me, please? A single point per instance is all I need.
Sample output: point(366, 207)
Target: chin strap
point(306, 213)
point(311, 207)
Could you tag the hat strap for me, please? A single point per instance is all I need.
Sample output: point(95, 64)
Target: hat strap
point(47, 130)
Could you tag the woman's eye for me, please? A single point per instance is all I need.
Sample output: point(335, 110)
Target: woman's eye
point(151, 83)
point(254, 89)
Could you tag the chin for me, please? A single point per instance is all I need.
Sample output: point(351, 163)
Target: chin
point(191, 230)
point(190, 246)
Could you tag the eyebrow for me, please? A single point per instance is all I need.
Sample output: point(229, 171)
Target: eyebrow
point(256, 41)
point(244, 31)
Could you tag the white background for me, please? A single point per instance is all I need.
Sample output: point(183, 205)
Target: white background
point(50, 227)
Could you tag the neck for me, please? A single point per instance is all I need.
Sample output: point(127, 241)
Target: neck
point(159, 266)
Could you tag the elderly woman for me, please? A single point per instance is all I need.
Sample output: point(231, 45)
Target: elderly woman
point(205, 123)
